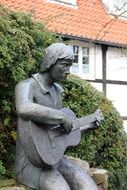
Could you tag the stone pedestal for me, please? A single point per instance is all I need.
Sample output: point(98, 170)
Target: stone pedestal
point(100, 176)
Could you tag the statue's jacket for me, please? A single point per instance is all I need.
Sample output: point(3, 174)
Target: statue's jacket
point(34, 103)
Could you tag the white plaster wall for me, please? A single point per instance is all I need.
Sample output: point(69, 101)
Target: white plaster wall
point(98, 86)
point(98, 61)
point(116, 70)
point(118, 95)
point(117, 64)
point(125, 125)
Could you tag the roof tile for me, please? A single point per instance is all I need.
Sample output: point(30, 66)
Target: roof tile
point(88, 20)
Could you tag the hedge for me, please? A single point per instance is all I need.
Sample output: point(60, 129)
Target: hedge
point(104, 147)
point(22, 44)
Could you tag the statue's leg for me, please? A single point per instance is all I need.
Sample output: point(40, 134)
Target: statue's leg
point(48, 179)
point(75, 176)
point(53, 180)
point(29, 176)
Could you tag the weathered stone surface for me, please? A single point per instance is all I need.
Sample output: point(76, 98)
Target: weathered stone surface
point(100, 176)
point(10, 184)
point(102, 187)
point(81, 163)
point(13, 188)
point(7, 182)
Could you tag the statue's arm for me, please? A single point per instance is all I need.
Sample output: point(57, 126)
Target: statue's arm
point(29, 110)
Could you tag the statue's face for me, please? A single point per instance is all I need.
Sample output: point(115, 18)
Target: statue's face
point(60, 70)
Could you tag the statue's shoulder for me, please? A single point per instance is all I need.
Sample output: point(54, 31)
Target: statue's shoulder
point(27, 83)
point(59, 88)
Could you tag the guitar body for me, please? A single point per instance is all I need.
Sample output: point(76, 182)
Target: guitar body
point(44, 145)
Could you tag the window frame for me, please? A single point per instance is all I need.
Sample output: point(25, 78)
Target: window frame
point(91, 74)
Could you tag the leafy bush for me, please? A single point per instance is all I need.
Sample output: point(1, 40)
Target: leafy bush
point(118, 179)
point(2, 170)
point(104, 147)
point(22, 44)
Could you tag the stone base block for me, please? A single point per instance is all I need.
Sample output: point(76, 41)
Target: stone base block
point(100, 176)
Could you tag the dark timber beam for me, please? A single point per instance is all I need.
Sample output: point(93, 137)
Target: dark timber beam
point(109, 81)
point(104, 63)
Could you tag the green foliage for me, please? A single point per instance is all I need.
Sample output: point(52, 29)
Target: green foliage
point(2, 170)
point(22, 44)
point(104, 147)
point(118, 179)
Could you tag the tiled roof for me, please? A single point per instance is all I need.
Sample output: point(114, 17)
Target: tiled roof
point(89, 20)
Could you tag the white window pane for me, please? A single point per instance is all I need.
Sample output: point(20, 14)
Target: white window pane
point(75, 68)
point(85, 60)
point(76, 59)
point(83, 64)
point(98, 86)
point(76, 49)
point(85, 51)
point(117, 7)
point(85, 69)
point(76, 54)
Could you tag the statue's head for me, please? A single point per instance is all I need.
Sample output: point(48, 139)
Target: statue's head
point(55, 52)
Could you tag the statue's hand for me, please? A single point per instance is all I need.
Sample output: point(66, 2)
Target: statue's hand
point(67, 125)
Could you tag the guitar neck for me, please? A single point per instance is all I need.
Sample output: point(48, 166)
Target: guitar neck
point(85, 122)
point(88, 126)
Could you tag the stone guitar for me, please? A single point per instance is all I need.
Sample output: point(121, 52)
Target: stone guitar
point(52, 138)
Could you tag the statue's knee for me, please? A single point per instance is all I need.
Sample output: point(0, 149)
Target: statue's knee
point(54, 186)
point(84, 181)
point(53, 181)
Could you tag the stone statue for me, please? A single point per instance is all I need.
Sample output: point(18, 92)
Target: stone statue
point(44, 127)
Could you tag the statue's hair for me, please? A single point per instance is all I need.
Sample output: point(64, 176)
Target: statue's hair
point(53, 53)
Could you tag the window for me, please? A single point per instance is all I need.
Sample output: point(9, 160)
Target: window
point(117, 7)
point(85, 60)
point(83, 64)
point(68, 2)
point(81, 61)
point(75, 66)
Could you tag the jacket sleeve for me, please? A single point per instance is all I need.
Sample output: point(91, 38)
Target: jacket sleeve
point(28, 110)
